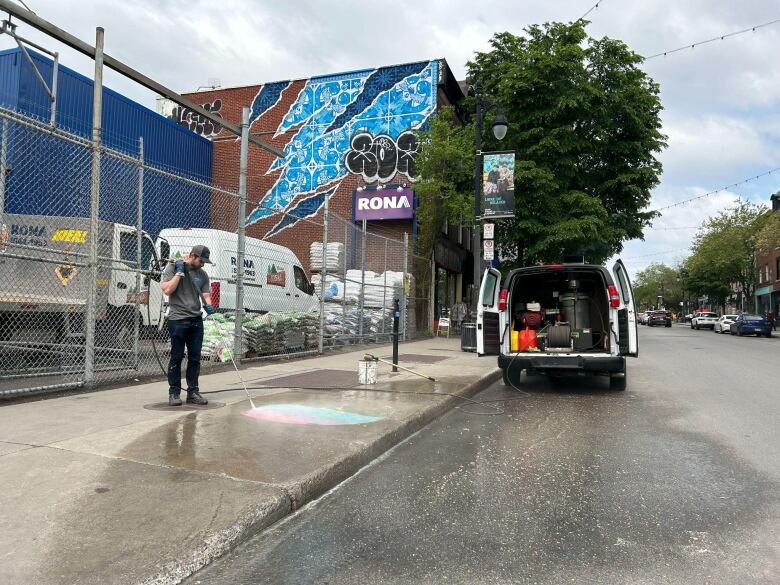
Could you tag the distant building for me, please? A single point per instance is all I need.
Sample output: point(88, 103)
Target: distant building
point(768, 265)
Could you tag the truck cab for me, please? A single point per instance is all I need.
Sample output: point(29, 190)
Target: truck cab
point(559, 319)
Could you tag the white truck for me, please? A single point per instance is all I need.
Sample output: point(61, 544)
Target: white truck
point(45, 281)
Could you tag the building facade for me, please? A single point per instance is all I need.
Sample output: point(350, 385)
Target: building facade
point(344, 136)
point(768, 265)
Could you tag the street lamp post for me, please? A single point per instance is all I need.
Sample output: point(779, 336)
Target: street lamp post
point(500, 127)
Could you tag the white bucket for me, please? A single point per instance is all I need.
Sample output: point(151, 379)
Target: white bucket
point(367, 371)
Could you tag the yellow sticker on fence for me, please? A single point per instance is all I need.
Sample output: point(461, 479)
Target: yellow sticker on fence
point(75, 236)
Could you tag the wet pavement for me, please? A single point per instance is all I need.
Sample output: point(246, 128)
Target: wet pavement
point(96, 488)
point(676, 480)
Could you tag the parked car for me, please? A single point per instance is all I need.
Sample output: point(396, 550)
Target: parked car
point(643, 317)
point(659, 318)
point(704, 320)
point(686, 318)
point(751, 325)
point(560, 320)
point(724, 322)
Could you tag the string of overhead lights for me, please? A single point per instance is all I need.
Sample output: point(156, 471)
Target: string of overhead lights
point(716, 191)
point(592, 8)
point(713, 39)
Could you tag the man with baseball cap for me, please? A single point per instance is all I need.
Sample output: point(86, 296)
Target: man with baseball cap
point(186, 284)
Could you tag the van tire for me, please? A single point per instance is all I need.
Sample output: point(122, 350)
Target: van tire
point(618, 382)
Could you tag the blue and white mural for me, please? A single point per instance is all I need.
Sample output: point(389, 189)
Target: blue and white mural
point(362, 123)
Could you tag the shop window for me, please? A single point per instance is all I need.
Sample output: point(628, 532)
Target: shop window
point(777, 268)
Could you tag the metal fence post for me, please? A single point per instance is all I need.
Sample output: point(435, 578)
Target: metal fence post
point(3, 164)
point(244, 162)
point(403, 286)
point(344, 275)
point(362, 281)
point(323, 273)
point(139, 226)
point(54, 74)
point(384, 294)
point(91, 313)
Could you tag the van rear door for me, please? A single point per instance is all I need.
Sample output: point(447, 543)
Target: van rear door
point(629, 341)
point(488, 330)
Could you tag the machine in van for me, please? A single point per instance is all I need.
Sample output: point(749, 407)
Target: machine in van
point(274, 279)
point(559, 319)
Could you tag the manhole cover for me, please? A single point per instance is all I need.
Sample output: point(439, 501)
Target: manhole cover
point(416, 358)
point(165, 406)
point(317, 379)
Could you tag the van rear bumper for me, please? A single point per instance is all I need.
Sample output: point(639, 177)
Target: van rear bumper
point(570, 363)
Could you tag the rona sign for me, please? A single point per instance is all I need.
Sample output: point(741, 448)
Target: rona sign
point(389, 203)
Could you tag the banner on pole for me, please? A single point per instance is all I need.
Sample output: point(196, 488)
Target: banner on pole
point(498, 184)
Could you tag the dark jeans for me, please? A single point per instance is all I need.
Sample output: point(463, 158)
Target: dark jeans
point(189, 333)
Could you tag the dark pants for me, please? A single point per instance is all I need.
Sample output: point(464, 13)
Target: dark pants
point(189, 333)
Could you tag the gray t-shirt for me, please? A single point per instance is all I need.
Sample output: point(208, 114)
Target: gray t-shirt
point(184, 303)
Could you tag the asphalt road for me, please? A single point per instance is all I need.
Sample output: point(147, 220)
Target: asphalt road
point(675, 480)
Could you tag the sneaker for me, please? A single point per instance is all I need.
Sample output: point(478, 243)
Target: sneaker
point(174, 400)
point(196, 398)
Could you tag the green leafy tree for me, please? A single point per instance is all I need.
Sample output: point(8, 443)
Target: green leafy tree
point(723, 252)
point(656, 280)
point(584, 120)
point(445, 166)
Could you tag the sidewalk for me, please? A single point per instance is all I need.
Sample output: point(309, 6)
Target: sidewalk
point(95, 488)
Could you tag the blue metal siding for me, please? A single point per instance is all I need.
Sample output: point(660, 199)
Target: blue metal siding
point(9, 79)
point(53, 177)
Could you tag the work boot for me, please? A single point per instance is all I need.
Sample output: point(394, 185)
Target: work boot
point(194, 397)
point(174, 400)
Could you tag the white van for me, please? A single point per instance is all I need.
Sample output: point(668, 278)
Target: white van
point(559, 319)
point(274, 279)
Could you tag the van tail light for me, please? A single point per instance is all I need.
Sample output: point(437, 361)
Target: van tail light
point(502, 299)
point(215, 288)
point(614, 299)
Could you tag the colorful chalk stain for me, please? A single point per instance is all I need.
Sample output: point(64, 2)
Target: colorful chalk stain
point(298, 414)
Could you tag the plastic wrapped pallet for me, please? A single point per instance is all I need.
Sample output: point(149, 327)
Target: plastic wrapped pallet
point(334, 257)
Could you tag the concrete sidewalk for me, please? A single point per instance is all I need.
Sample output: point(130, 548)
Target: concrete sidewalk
point(95, 488)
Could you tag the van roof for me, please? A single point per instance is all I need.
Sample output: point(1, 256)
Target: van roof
point(210, 234)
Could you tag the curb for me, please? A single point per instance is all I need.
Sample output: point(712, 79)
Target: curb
point(297, 494)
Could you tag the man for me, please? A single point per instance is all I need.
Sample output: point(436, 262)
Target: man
point(186, 284)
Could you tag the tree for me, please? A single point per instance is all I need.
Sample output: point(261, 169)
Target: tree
point(768, 237)
point(656, 280)
point(445, 165)
point(584, 120)
point(724, 251)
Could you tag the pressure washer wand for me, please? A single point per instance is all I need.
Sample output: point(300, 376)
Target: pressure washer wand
point(373, 357)
point(240, 377)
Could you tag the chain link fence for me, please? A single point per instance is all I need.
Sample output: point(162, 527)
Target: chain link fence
point(88, 232)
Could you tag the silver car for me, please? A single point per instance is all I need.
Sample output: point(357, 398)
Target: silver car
point(723, 324)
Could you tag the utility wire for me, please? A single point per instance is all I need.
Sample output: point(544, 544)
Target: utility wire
point(711, 193)
point(592, 8)
point(712, 40)
point(658, 253)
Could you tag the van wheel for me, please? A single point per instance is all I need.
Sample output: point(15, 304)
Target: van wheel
point(618, 382)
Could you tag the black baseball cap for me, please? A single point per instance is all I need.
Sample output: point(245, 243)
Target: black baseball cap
point(202, 252)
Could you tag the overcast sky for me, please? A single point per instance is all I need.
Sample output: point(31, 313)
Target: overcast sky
point(721, 99)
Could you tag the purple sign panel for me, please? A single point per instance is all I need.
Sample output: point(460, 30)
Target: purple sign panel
point(389, 203)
